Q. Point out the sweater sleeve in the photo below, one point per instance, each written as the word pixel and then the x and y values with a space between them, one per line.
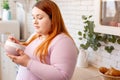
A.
pixel 63 58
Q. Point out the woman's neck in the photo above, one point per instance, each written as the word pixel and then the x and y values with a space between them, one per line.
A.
pixel 43 37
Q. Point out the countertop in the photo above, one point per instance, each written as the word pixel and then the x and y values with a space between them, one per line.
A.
pixel 88 73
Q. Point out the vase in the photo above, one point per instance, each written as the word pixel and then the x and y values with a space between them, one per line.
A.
pixel 6 15
pixel 82 60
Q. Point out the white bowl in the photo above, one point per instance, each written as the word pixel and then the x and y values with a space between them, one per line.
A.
pixel 10 47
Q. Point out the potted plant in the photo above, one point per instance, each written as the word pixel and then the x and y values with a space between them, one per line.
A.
pixel 6 10
pixel 90 39
pixel 6 5
pixel 95 40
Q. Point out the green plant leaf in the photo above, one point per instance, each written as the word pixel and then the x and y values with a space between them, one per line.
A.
pixel 37 0
pixel 98 44
pixel 80 38
pixel 84 36
pixel 91 26
pixel 80 33
pixel 118 41
pixel 5 5
pixel 112 38
pixel 95 48
pixel 84 46
pixel 109 49
pixel 94 39
pixel 90 16
pixel 84 17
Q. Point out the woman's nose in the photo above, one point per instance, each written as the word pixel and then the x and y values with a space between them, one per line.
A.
pixel 35 21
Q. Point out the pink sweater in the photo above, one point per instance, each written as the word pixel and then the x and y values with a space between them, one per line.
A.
pixel 60 65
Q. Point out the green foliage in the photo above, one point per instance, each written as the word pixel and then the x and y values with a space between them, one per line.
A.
pixel 37 0
pixel 5 5
pixel 93 39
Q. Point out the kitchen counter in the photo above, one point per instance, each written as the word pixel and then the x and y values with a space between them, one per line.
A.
pixel 89 73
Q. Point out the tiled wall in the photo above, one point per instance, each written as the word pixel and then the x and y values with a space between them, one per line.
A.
pixel 72 10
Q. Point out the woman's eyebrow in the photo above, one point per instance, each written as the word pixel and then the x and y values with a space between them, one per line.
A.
pixel 37 15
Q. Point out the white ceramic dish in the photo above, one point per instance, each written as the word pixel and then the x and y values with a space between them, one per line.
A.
pixel 10 47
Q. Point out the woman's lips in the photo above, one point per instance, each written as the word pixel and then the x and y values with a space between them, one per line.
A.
pixel 36 27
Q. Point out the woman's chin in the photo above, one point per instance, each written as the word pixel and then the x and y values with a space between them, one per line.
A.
pixel 38 32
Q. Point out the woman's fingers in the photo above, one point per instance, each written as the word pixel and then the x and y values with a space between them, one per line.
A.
pixel 22 59
pixel 21 52
pixel 12 57
pixel 13 39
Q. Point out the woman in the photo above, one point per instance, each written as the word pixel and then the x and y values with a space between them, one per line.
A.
pixel 50 53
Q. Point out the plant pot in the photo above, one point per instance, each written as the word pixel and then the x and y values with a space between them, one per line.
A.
pixel 82 60
pixel 6 15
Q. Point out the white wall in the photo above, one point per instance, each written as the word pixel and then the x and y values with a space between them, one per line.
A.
pixel 72 10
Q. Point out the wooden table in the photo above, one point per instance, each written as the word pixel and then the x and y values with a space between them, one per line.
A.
pixel 89 73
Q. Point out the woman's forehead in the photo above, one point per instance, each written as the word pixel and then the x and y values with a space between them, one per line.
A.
pixel 37 11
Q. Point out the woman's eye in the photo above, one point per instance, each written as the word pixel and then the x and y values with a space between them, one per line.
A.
pixel 33 17
pixel 39 18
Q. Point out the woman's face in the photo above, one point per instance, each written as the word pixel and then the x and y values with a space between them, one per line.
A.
pixel 41 21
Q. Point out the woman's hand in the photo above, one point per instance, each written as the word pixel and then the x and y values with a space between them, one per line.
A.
pixel 22 59
pixel 13 39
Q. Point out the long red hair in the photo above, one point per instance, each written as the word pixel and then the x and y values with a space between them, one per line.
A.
pixel 57 27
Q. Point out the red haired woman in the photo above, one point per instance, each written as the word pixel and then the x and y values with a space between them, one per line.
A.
pixel 51 53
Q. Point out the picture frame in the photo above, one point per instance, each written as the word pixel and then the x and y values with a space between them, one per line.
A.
pixel 99 16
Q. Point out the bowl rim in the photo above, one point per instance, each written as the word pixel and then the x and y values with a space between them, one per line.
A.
pixel 10 43
pixel 104 75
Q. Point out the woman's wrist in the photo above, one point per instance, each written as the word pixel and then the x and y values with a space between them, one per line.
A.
pixel 26 62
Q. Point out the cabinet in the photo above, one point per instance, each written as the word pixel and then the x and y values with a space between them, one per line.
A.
pixel 11 26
